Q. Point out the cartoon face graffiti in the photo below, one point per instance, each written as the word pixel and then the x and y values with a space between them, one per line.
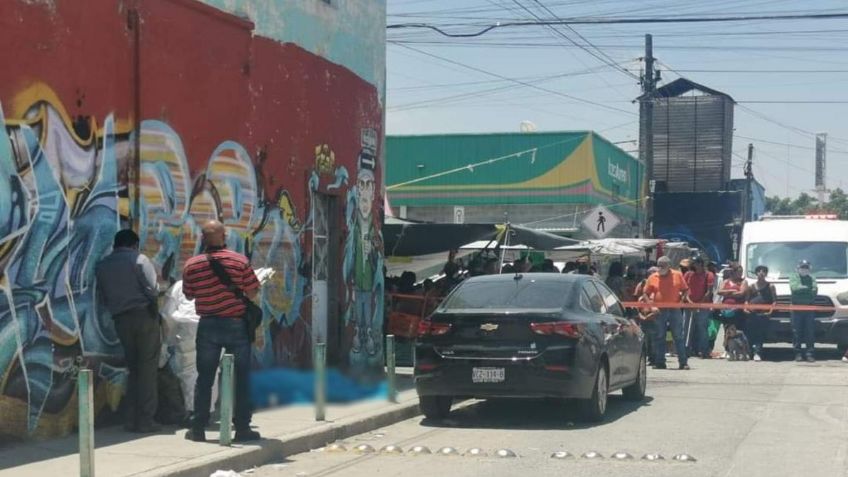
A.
pixel 365 184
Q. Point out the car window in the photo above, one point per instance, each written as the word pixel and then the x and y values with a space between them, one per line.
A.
pixel 525 293
pixel 584 301
pixel 595 299
pixel 610 300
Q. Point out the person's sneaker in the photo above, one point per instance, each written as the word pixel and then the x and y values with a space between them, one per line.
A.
pixel 196 435
pixel 799 358
pixel 845 359
pixel 660 366
pixel 370 345
pixel 811 359
pixel 684 367
pixel 355 346
pixel 757 357
pixel 246 435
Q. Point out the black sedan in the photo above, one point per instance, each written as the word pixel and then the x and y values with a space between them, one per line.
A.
pixel 536 335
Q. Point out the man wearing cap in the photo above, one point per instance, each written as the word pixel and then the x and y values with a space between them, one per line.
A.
pixel 804 289
pixel 667 286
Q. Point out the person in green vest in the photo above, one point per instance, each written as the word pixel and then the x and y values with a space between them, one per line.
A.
pixel 804 290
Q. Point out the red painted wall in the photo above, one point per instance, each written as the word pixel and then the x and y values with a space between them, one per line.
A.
pixel 203 74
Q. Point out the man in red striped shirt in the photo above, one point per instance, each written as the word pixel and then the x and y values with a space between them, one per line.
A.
pixel 222 326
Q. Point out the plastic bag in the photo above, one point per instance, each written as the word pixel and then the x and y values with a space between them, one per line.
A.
pixel 712 328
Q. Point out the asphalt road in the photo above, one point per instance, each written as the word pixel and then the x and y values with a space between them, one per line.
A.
pixel 773 418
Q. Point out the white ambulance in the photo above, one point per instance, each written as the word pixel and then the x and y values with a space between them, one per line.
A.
pixel 780 242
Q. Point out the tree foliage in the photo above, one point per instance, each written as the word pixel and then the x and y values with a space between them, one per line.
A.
pixel 837 203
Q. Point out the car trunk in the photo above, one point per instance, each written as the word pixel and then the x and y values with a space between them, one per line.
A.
pixel 496 335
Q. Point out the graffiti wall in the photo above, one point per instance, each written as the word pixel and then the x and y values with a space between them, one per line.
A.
pixel 157 116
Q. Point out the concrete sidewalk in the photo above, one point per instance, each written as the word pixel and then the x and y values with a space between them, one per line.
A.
pixel 286 431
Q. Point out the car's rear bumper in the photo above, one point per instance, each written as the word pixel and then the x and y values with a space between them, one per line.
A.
pixel 828 330
pixel 523 379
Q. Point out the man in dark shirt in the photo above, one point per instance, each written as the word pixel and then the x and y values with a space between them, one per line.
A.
pixel 222 326
pixel 127 285
pixel 803 286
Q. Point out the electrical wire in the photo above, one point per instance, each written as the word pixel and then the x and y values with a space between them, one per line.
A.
pixel 600 55
pixel 524 83
pixel 610 20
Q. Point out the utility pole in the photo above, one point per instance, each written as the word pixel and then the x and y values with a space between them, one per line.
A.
pixel 749 179
pixel 646 134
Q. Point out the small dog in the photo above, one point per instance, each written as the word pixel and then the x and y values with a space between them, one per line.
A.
pixel 736 344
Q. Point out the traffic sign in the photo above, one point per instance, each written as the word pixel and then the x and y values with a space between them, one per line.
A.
pixel 600 221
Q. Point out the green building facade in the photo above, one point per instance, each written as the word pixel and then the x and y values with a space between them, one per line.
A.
pixel 547 180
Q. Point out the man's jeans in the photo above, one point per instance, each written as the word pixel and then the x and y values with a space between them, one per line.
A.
pixel 673 320
pixel 803 330
pixel 213 335
pixel 697 326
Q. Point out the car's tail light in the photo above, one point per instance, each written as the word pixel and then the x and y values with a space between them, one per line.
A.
pixel 556 328
pixel 429 328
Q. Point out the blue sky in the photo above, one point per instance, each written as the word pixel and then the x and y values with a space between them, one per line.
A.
pixel 794 61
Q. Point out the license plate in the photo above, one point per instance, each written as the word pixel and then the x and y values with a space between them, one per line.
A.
pixel 488 375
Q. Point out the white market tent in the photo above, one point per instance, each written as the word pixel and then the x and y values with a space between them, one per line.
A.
pixel 614 246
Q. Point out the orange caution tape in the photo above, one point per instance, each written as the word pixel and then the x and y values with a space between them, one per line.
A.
pixel 723 306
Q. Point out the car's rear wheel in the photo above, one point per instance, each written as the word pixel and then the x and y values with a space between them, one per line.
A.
pixel 636 391
pixel 594 408
pixel 435 407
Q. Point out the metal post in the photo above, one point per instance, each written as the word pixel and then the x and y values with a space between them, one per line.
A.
pixel 319 357
pixel 390 367
pixel 226 437
pixel 86 423
pixel 646 131
pixel 749 177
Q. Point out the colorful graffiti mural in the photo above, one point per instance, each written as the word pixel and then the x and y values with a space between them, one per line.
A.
pixel 62 210
pixel 58 214
pixel 250 132
pixel 363 264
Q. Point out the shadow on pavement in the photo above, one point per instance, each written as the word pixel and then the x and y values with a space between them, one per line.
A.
pixel 530 414
pixel 786 353
pixel 27 452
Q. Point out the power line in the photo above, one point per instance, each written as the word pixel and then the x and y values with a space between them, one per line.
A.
pixel 611 20
pixel 762 71
pixel 475 94
pixel 600 55
pixel 517 44
pixel 786 144
pixel 793 102
pixel 524 83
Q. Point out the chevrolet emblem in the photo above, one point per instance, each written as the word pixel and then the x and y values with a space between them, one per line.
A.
pixel 488 327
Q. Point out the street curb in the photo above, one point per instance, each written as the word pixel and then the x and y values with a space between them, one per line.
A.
pixel 275 449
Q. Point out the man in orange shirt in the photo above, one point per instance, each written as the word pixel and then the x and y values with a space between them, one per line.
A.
pixel 668 286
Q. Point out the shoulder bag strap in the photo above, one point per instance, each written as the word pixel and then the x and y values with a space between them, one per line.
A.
pixel 222 275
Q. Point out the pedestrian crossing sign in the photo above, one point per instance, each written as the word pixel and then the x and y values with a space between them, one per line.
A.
pixel 600 222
